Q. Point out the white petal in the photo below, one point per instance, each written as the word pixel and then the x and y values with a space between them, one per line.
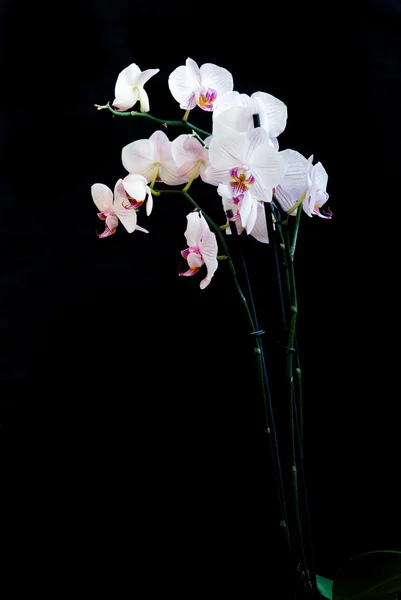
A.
pixel 245 207
pixel 202 172
pixel 252 216
pixel 127 217
pixel 138 157
pixel 216 78
pixel 119 189
pixel 256 138
pixel 135 186
pixel 274 142
pixel 268 168
pixel 227 151
pixel 272 110
pixel 161 146
pixel 224 191
pixel 320 176
pixel 259 230
pixel 149 202
pixel 192 230
pixel 193 70
pixel 209 253
pixel 143 99
pixel 168 173
pixel 204 229
pixel 127 78
pixel 102 196
pixel 126 98
pixel 182 151
pixel 162 150
pixel 139 228
pixel 183 87
pixel 295 180
pixel 216 176
pixel 186 151
pixel 230 100
pixel 194 260
pixel 237 119
pixel 111 222
pixel 309 202
pixel 145 76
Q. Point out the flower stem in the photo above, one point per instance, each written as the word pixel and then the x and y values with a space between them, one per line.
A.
pixel 193 175
pixel 295 411
pixel 133 113
pixel 269 213
pixel 270 429
pixel 296 228
pixel 260 360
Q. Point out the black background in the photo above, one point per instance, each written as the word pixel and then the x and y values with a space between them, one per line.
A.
pixel 129 418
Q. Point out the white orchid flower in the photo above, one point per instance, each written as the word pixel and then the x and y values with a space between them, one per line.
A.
pixel 248 213
pixel 191 157
pixel 202 248
pixel 152 159
pixel 137 192
pixel 246 162
pixel 235 112
pixel 192 85
pixel 129 88
pixel 303 180
pixel 114 208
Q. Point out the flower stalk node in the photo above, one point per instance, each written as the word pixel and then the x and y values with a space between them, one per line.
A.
pixel 258 333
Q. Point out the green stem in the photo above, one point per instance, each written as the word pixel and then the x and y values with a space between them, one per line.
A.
pixel 295 232
pixel 261 366
pixel 279 227
pixel 298 373
pixel 193 175
pixel 290 381
pixel 297 203
pixel 133 113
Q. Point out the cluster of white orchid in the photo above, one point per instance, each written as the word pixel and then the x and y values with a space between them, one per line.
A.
pixel 240 157
pixel 261 190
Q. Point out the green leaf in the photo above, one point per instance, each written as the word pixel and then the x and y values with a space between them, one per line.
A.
pixel 370 575
pixel 325 586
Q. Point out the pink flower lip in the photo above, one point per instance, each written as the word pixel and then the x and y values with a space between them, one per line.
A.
pixel 207 99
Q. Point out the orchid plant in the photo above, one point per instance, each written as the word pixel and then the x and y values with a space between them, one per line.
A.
pixel 263 191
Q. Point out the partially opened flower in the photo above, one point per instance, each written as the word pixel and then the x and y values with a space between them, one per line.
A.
pixel 190 156
pixel 193 86
pixel 113 208
pixel 246 162
pixel 248 213
pixel 152 159
pixel 137 192
pixel 303 183
pixel 130 88
pixel 202 248
pixel 235 112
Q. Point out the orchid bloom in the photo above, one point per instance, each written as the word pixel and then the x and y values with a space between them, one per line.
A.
pixel 137 192
pixel 190 156
pixel 114 208
pixel 246 162
pixel 235 112
pixel 202 248
pixel 303 183
pixel 192 85
pixel 248 213
pixel 152 158
pixel 129 88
